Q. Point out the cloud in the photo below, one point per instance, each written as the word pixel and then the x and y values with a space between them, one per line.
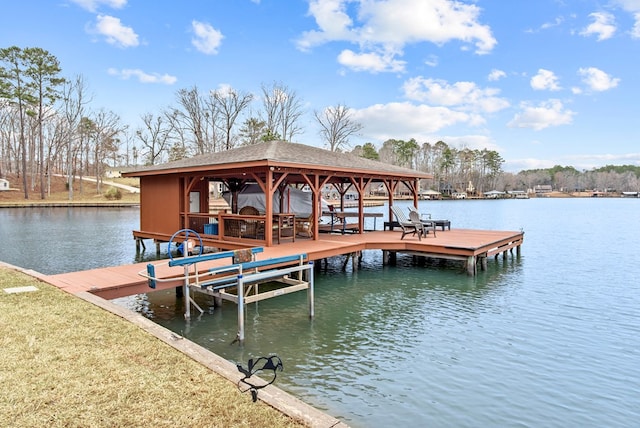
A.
pixel 496 75
pixel 407 120
pixel 93 5
pixel 597 80
pixel 114 32
pixel 143 77
pixel 603 26
pixel 629 5
pixel 207 39
pixel 545 80
pixel 544 115
pixel 466 96
pixel 635 31
pixel 388 26
pixel 372 62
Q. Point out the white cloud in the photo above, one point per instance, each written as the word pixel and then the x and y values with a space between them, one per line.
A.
pixel 635 31
pixel 462 95
pixel 207 39
pixel 143 77
pixel 114 32
pixel 407 120
pixel 372 62
pixel 432 61
pixel 544 115
pixel 597 80
pixel 603 26
pixel 93 5
pixel 629 5
pixel 496 75
pixel 387 26
pixel 545 80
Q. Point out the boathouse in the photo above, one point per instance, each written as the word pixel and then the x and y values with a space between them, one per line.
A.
pixel 175 195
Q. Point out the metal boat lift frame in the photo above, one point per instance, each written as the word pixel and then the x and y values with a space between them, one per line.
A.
pixel 245 278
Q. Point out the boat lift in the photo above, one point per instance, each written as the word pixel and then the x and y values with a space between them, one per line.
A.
pixel 244 275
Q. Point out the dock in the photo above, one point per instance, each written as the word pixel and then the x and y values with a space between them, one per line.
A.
pixel 471 247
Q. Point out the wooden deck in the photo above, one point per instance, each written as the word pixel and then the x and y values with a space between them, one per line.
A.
pixel 472 247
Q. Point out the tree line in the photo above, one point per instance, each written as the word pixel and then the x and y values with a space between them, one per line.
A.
pixel 48 125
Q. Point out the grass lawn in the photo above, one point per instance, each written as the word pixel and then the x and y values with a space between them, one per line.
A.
pixel 67 363
pixel 85 192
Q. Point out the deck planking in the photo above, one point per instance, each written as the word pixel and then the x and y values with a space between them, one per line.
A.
pixel 460 244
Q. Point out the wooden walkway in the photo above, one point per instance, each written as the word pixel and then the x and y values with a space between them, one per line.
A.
pixel 471 247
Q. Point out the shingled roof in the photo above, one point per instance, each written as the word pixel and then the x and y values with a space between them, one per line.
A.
pixel 281 153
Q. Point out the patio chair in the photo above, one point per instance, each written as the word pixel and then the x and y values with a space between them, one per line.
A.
pixel 427 225
pixel 304 225
pixel 406 224
pixel 251 228
pixel 426 218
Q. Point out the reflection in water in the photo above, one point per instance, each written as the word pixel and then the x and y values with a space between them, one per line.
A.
pixel 370 336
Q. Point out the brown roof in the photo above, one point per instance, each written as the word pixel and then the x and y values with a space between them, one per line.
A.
pixel 281 153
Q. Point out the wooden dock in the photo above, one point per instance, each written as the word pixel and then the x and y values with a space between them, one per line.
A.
pixel 471 247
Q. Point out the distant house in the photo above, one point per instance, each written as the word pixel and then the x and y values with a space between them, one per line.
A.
pixel 116 172
pixel 4 184
pixel 543 188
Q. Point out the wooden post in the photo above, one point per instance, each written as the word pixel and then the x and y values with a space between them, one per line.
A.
pixel 471 265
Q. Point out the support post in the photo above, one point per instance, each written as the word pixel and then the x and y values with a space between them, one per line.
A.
pixel 240 308
pixel 310 291
pixel 187 303
pixel 471 265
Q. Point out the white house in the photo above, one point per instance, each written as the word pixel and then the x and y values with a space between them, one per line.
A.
pixel 4 184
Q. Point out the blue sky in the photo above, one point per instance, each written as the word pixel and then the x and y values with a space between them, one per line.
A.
pixel 543 82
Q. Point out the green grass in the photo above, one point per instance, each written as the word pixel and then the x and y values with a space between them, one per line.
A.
pixel 67 363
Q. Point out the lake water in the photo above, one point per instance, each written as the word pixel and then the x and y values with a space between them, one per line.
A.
pixel 550 339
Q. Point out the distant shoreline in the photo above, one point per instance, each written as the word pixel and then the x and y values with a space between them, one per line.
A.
pixel 45 204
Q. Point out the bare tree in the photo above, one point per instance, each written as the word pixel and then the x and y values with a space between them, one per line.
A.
pixel 155 136
pixel 230 103
pixel 107 127
pixel 198 116
pixel 282 110
pixel 336 126
pixel 75 99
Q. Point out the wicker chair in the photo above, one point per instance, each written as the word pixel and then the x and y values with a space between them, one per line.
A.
pixel 304 226
pixel 251 228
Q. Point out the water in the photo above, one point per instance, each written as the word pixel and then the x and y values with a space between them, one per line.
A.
pixel 550 339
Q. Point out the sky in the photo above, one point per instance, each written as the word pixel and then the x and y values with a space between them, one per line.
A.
pixel 543 83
